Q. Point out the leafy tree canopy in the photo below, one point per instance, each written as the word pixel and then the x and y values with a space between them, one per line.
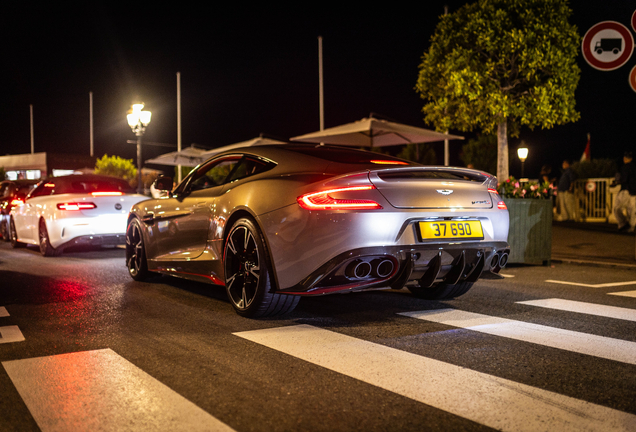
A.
pixel 499 64
pixel 117 167
pixel 481 153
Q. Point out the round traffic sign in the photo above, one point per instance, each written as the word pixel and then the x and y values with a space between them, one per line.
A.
pixel 607 45
pixel 634 20
pixel 632 78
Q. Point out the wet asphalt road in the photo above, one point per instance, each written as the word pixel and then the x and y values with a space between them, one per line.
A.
pixel 185 335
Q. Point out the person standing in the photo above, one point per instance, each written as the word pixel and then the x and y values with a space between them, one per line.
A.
pixel 624 207
pixel 565 197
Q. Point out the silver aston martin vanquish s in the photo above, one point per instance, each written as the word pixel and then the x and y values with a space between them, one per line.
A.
pixel 274 223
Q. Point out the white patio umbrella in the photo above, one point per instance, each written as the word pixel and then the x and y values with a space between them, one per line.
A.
pixel 249 143
pixel 190 157
pixel 371 132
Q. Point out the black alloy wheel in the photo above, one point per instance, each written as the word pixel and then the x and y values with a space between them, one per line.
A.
pixel 13 235
pixel 45 244
pixel 135 252
pixel 248 277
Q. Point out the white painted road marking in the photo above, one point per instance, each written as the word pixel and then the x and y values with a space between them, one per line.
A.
pixel 3 312
pixel 486 399
pixel 586 308
pixel 624 293
pixel 602 285
pixel 10 334
pixel 583 343
pixel 99 390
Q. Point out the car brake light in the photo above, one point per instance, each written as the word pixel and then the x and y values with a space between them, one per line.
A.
pixel 502 205
pixel 323 201
pixel 98 194
pixel 492 190
pixel 16 202
pixel 389 162
pixel 73 206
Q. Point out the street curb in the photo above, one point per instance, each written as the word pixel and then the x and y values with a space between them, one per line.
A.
pixel 594 263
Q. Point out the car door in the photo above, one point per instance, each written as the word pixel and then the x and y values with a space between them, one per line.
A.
pixel 181 224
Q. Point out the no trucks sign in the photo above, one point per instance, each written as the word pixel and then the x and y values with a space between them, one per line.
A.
pixel 607 45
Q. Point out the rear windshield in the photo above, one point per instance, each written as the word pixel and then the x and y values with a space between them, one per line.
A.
pixel 95 185
pixel 346 155
pixel 430 174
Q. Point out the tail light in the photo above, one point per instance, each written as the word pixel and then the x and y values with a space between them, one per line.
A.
pixel 502 205
pixel 16 202
pixel 493 190
pixel 99 194
pixel 388 162
pixel 323 201
pixel 74 206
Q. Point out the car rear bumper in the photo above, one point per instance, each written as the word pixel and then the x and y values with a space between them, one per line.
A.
pixel 397 266
pixel 95 240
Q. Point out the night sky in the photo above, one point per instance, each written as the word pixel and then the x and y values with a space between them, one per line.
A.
pixel 251 70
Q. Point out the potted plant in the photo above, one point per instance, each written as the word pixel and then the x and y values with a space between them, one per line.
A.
pixel 530 208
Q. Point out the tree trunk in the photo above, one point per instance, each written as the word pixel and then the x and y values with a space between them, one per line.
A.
pixel 502 151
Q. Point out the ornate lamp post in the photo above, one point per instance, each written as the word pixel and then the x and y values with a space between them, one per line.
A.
pixel 522 152
pixel 138 119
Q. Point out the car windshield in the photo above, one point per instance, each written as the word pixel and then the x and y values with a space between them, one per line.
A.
pixel 89 185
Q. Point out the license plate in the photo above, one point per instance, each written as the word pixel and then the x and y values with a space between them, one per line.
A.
pixel 451 229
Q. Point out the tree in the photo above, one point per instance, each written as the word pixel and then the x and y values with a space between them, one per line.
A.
pixel 498 65
pixel 116 167
pixel 481 153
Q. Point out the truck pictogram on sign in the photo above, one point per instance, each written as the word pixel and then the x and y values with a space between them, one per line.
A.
pixel 615 45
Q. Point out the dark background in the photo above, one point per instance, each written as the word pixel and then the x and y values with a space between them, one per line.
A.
pixel 251 70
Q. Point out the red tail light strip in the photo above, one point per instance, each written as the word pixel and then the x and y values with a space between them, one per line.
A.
pixel 74 206
pixel 98 194
pixel 323 201
pixel 502 205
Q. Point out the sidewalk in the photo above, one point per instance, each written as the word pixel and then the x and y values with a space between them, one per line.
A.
pixel 592 243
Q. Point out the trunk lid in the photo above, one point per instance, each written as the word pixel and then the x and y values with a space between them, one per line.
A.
pixel 434 187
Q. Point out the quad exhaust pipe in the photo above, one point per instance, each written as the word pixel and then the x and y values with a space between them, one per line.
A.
pixel 377 268
pixel 498 261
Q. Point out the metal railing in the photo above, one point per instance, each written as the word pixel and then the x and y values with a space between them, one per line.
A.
pixel 594 198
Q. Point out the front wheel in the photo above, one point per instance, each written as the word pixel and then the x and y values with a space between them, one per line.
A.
pixel 4 230
pixel 136 252
pixel 248 276
pixel 441 291
pixel 45 244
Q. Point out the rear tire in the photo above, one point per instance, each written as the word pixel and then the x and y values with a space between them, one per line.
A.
pixel 248 275
pixel 136 252
pixel 13 236
pixel 441 291
pixel 45 244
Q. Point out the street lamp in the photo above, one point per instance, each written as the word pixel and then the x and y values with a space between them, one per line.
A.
pixel 522 152
pixel 138 119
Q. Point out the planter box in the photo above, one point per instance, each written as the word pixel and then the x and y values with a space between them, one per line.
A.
pixel 530 235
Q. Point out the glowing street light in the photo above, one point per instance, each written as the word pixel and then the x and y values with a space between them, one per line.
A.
pixel 138 120
pixel 522 152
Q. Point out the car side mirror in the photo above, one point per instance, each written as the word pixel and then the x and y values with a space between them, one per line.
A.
pixel 163 183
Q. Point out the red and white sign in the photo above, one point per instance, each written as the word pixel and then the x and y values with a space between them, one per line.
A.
pixel 607 45
pixel 632 78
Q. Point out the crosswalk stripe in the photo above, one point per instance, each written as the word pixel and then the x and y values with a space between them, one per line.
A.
pixel 583 343
pixel 3 312
pixel 10 334
pixel 624 293
pixel 100 390
pixel 486 399
pixel 586 308
pixel 601 285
